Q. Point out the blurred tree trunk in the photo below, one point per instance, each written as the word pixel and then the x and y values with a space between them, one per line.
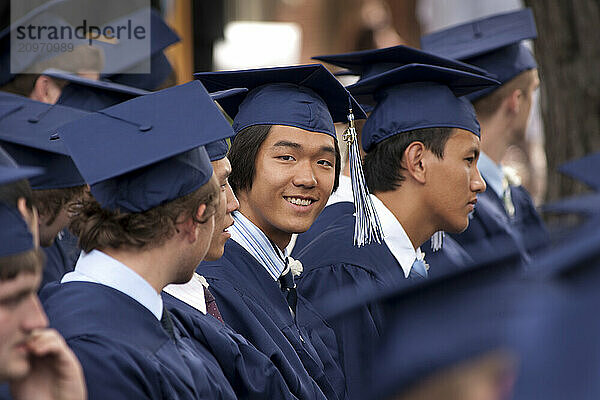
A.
pixel 568 54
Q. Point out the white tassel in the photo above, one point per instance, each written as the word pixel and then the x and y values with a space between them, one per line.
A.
pixel 437 240
pixel 367 228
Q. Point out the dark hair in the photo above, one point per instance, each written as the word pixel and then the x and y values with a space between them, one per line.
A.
pixel 49 202
pixel 98 228
pixel 383 163
pixel 31 261
pixel 242 156
pixel 12 192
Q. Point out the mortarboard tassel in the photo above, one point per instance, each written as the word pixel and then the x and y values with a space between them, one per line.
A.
pixel 367 227
pixel 437 240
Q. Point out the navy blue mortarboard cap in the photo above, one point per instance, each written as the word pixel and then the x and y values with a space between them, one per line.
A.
pixel 25 129
pixel 584 169
pixel 304 96
pixel 90 94
pixel 427 95
pixel 15 236
pixel 493 43
pixel 124 58
pixel 226 99
pixel 217 150
pixel 367 63
pixel 149 150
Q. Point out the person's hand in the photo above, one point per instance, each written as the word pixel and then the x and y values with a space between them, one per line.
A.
pixel 55 372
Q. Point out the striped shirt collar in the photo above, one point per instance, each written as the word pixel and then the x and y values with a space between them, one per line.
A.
pixel 255 242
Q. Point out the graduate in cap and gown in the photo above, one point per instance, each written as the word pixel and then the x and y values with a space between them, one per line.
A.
pixel 366 64
pixel 496 44
pixel 252 374
pixel 421 170
pixel 148 225
pixel 26 127
pixel 285 164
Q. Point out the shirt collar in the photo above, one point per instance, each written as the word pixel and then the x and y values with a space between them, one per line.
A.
pixel 396 238
pixel 492 173
pixel 343 192
pixel 99 267
pixel 191 293
pixel 255 242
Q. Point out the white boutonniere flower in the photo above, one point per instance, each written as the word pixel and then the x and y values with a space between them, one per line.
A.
pixel 202 280
pixel 295 266
pixel 511 175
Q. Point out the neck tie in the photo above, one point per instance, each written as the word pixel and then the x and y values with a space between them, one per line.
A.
pixel 211 305
pixel 288 287
pixel 507 198
pixel 167 323
pixel 418 270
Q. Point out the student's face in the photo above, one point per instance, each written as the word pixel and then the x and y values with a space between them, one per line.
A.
pixel 453 182
pixel 294 176
pixel 20 314
pixel 227 204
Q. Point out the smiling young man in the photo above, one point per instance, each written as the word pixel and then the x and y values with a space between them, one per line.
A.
pixel 285 164
pixel 34 360
pixel 505 212
pixel 420 167
pixel 148 225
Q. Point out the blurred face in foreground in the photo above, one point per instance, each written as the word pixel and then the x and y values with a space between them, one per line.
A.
pixel 21 314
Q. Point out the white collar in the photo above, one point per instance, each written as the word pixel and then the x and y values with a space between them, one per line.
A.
pixel 396 238
pixel 343 192
pixel 191 293
pixel 99 267
pixel 492 174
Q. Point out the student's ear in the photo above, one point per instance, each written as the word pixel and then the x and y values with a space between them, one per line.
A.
pixel 45 90
pixel 414 161
pixel 189 227
pixel 513 101
pixel 200 212
pixel 31 219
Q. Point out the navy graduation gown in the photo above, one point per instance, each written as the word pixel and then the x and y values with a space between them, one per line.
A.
pixel 328 216
pixel 331 263
pixel 527 220
pixel 449 259
pixel 251 374
pixel 251 302
pixel 61 257
pixel 124 350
